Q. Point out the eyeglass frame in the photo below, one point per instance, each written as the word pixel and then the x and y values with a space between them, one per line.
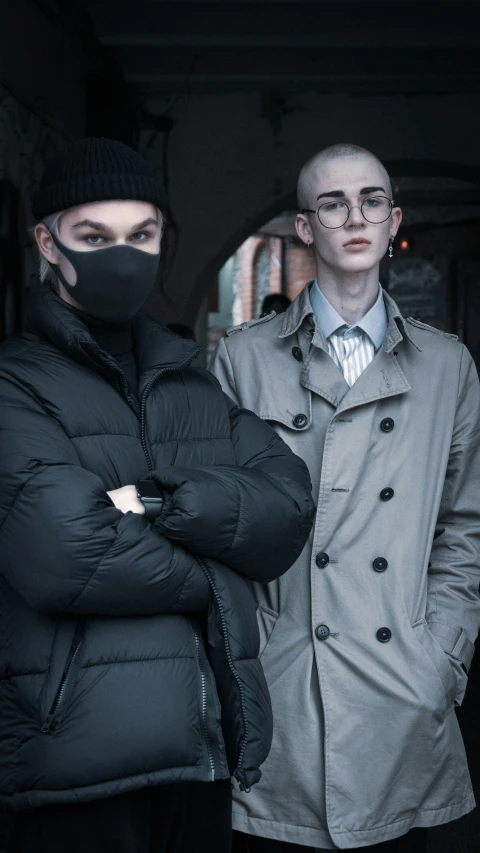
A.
pixel 359 206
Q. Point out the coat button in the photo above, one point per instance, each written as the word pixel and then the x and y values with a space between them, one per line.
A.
pixel 387 494
pixel 300 420
pixel 384 635
pixel 297 353
pixel 322 632
pixel 387 424
pixel 322 560
pixel 380 564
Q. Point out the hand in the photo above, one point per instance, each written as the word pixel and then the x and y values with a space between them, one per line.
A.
pixel 127 500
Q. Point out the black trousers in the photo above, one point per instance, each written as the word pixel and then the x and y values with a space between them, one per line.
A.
pixel 189 817
pixel 414 841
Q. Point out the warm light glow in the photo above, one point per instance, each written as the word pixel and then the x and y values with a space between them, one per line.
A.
pixel 404 244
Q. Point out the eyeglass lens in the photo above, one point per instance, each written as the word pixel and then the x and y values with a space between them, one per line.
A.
pixel 334 214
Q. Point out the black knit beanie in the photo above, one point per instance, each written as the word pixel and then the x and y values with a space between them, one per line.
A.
pixel 96 170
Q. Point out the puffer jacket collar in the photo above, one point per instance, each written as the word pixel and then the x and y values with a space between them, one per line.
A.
pixel 156 348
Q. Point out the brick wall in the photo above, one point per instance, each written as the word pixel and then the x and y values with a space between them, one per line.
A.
pixel 299 269
pixel 249 256
pixel 299 266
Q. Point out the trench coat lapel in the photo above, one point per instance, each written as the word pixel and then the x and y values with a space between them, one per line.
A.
pixel 383 377
pixel 321 375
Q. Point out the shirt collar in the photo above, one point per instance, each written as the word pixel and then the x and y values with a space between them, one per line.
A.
pixel 373 323
pixel 301 310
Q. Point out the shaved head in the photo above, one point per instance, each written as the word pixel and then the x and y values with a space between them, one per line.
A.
pixel 308 177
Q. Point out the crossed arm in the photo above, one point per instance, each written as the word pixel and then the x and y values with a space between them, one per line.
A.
pixel 67 546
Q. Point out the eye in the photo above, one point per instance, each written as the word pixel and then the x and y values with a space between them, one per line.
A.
pixel 372 202
pixel 94 239
pixel 139 236
pixel 332 206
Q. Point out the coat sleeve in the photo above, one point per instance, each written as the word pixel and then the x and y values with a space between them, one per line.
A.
pixel 255 515
pixel 453 604
pixel 64 546
pixel 221 367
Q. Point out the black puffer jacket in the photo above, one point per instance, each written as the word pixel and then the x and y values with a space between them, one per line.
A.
pixel 128 650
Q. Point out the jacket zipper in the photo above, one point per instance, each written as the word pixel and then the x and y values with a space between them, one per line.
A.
pixel 145 394
pixel 49 723
pixel 146 451
pixel 239 772
pixel 122 388
pixel 204 704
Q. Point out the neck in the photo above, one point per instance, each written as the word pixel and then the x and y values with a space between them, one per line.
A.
pixel 114 338
pixel 351 294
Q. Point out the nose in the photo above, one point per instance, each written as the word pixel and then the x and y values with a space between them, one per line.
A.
pixel 356 218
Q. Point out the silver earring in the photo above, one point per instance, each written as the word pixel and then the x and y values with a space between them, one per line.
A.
pixel 390 247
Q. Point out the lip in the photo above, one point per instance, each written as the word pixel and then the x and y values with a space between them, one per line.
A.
pixel 357 241
pixel 355 247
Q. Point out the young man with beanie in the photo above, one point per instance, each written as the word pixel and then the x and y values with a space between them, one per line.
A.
pixel 137 501
pixel 368 639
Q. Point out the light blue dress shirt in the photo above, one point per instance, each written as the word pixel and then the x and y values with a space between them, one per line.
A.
pixel 352 347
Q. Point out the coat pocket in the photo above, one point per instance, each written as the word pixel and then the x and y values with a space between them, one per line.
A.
pixel 439 661
pixel 267 620
pixel 67 643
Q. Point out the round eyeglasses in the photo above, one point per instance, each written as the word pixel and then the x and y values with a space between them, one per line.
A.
pixel 334 214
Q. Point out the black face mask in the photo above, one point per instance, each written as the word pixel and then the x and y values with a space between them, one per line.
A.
pixel 112 284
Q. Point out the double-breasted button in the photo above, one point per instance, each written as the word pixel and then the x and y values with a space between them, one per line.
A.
pixel 387 424
pixel 322 632
pixel 387 494
pixel 300 420
pixel 380 564
pixel 297 353
pixel 322 560
pixel 384 635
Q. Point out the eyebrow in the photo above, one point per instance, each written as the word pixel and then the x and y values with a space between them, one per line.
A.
pixel 101 226
pixel 341 194
pixel 149 221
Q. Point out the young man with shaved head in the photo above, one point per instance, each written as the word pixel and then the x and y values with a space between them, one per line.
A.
pixel 367 641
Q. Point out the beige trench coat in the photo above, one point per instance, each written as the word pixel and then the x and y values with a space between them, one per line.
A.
pixel 366 744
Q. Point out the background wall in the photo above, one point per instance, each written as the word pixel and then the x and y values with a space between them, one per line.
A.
pixel 57 83
pixel 43 75
pixel 42 106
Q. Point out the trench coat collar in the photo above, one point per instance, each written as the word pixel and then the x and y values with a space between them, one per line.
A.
pixel 382 378
pixel 397 328
pixel 301 308
pixel 296 313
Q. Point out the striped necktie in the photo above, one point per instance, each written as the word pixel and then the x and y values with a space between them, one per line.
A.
pixel 352 351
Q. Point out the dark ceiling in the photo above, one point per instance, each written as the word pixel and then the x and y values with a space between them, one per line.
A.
pixel 332 47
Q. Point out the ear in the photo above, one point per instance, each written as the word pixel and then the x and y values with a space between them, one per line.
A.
pixel 303 229
pixel 45 243
pixel 395 221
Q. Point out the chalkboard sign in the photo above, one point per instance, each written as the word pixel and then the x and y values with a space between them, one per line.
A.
pixel 420 289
